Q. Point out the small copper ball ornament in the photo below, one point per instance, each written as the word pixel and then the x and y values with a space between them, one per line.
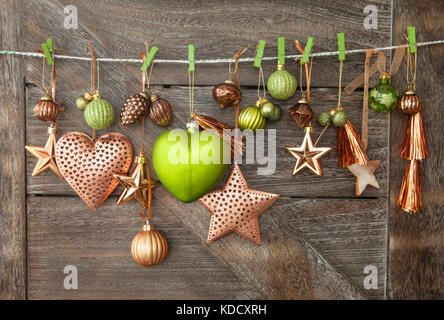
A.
pixel 160 111
pixel 301 112
pixel 410 103
pixel 227 94
pixel 149 247
pixel 46 109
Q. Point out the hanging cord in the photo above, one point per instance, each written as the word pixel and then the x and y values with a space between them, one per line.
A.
pixel 341 65
pixel 93 75
pixel 191 92
pixel 411 68
pixel 259 80
pixel 305 93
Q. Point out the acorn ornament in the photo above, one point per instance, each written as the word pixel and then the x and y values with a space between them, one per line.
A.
pixel 160 111
pixel 227 94
pixel 134 108
pixel 251 117
pixel 46 109
pixel 383 97
pixel 99 113
pixel 149 247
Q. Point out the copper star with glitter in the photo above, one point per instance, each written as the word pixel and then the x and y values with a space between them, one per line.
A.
pixel 307 155
pixel 236 208
pixel 365 175
pixel 46 155
pixel 136 185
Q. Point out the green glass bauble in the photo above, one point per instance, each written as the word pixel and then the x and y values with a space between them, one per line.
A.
pixel 383 97
pixel 277 114
pixel 190 163
pixel 251 118
pixel 339 118
pixel 267 109
pixel 281 84
pixel 99 113
pixel 324 118
pixel 81 103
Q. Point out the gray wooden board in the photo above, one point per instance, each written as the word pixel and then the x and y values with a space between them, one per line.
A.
pixel 290 263
pixel 119 29
pixel 12 160
pixel 416 241
pixel 337 182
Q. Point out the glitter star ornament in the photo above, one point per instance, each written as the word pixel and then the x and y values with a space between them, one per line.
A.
pixel 236 208
pixel 307 155
pixel 46 155
pixel 136 185
pixel 365 175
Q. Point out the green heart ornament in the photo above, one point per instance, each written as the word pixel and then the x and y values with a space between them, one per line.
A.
pixel 190 163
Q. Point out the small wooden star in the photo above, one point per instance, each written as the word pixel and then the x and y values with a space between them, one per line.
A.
pixel 236 208
pixel 46 155
pixel 136 185
pixel 307 155
pixel 365 175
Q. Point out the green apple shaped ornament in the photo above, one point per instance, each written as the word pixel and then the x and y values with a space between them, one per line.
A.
pixel 190 163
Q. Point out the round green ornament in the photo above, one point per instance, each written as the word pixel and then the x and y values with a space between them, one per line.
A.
pixel 281 84
pixel 324 118
pixel 277 114
pixel 81 103
pixel 339 118
pixel 267 109
pixel 383 97
pixel 99 113
pixel 251 118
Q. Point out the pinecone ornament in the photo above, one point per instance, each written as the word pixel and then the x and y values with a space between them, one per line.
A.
pixel 135 108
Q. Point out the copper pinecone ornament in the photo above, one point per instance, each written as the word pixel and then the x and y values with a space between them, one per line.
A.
pixel 301 113
pixel 160 111
pixel 134 108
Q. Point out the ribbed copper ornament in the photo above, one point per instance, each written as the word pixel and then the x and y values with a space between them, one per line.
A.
pixel 88 164
pixel 149 247
pixel 410 198
pixel 349 146
pixel 46 109
pixel 227 94
pixel 410 103
pixel 160 111
pixel 301 113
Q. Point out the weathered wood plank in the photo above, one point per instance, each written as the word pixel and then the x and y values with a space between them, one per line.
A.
pixel 63 232
pixel 337 182
pixel 286 266
pixel 119 29
pixel 12 159
pixel 416 241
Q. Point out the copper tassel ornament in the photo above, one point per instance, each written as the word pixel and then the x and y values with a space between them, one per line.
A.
pixel 349 146
pixel 410 198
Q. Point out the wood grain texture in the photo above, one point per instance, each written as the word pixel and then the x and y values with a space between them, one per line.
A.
pixel 218 30
pixel 337 182
pixel 416 241
pixel 12 160
pixel 286 266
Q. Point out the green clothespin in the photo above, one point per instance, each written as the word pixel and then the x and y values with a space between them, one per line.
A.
pixel 259 54
pixel 281 50
pixel 411 33
pixel 48 51
pixel 307 50
pixel 149 58
pixel 341 46
pixel 191 51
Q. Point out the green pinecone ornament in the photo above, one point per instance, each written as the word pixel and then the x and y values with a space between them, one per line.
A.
pixel 251 118
pixel 99 113
pixel 281 84
pixel 383 97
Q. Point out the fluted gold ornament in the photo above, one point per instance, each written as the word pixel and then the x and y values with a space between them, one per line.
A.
pixel 149 247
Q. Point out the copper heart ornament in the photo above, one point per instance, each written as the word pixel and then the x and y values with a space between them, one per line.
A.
pixel 88 165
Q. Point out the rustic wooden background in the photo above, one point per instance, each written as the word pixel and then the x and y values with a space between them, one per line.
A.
pixel 317 238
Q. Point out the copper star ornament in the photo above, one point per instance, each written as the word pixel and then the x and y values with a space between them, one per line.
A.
pixel 136 185
pixel 46 155
pixel 236 208
pixel 365 175
pixel 307 155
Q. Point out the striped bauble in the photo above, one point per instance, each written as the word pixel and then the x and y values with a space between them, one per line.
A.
pixel 99 113
pixel 251 118
pixel 281 84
